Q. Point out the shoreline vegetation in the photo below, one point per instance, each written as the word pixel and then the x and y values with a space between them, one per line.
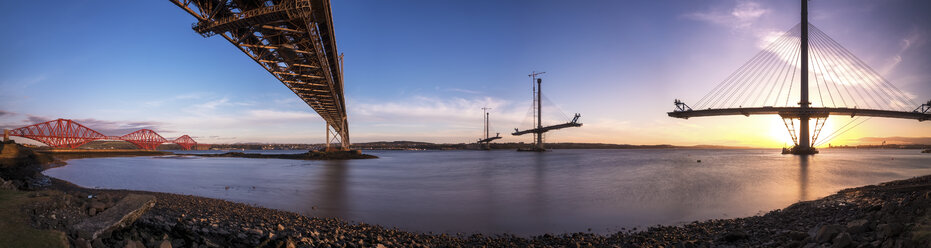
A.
pixel 46 211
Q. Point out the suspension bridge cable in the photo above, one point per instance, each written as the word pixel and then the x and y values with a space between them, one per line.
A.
pixel 832 72
pixel 861 81
pixel 776 58
pixel 883 81
pixel 755 71
pixel 811 66
pixel 828 73
pixel 778 77
pixel 713 90
pixel 732 79
pixel 558 109
pixel 767 71
pixel 792 67
pixel 861 89
pixel 529 116
pixel 784 68
pixel 830 51
pixel 739 80
pixel 842 127
pixel 796 68
pixel 817 62
pixel 871 86
pixel 876 88
pixel 841 133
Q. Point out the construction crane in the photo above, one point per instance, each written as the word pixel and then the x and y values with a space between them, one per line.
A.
pixel 539 128
pixel 486 142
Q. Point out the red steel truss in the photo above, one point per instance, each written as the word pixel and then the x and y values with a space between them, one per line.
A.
pixel 65 133
pixel 185 142
pixel 58 133
pixel 144 138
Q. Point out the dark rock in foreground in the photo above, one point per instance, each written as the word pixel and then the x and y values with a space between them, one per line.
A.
pixel 893 214
pixel 311 155
pixel 123 214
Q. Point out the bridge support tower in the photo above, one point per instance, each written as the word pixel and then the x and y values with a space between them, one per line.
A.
pixel 804 138
pixel 339 136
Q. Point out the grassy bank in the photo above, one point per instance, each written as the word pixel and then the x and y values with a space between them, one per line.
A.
pixel 15 229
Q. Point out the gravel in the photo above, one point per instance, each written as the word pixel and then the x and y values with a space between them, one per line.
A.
pixel 892 214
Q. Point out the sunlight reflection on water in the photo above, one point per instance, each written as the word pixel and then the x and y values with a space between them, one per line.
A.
pixel 506 191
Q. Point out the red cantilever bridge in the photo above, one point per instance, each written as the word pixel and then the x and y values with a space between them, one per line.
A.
pixel 65 133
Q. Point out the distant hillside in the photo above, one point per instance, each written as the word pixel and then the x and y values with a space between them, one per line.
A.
pixel 406 145
pixel 418 145
pixel 99 144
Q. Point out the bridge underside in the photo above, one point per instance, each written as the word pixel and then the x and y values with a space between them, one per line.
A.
pixel 488 140
pixel 796 112
pixel 547 128
pixel 291 39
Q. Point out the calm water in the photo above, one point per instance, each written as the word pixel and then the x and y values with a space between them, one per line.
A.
pixel 507 191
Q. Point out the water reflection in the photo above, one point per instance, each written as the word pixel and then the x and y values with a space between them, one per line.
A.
pixel 506 191
pixel 538 206
pixel 803 178
pixel 332 192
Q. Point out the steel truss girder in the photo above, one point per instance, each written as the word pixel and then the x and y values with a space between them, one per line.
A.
pixel 292 39
pixel 63 133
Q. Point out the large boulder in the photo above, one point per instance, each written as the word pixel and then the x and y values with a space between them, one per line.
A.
pixel 842 240
pixel 858 226
pixel 828 232
pixel 123 214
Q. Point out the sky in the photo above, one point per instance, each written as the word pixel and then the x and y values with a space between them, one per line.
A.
pixel 422 70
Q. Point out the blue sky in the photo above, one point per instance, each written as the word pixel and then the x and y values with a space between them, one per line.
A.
pixel 421 70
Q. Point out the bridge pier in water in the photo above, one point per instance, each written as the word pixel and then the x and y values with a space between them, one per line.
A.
pixel 539 129
pixel 804 143
pixel 339 136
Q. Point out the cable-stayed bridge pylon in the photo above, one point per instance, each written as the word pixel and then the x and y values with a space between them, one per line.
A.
pixel 803 75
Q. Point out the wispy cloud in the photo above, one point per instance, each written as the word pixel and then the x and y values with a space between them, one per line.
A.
pixel 466 91
pixel 213 106
pixel 278 115
pixel 915 38
pixel 740 16
pixel 108 127
pixel 185 96
pixel 420 108
pixel 34 80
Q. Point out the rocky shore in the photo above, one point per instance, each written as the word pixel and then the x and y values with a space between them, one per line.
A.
pixel 892 214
